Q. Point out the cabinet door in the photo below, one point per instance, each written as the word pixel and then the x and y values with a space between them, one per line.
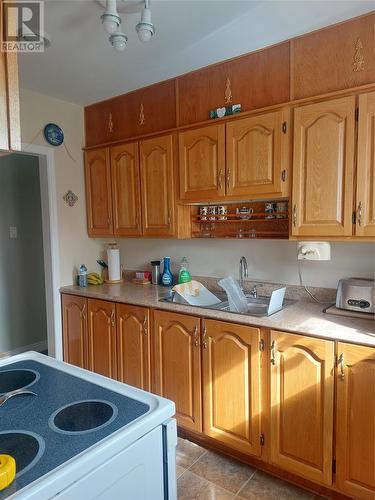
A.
pixel 74 318
pixel 231 385
pixel 323 168
pixel 133 345
pixel 126 190
pixel 366 166
pixel 10 128
pixel 302 405
pixel 98 192
pixel 334 58
pixel 102 337
pixel 202 163
pixel 157 181
pixel 177 365
pixel 254 155
pixel 355 421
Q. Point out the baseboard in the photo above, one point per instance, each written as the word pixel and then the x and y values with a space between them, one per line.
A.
pixel 38 347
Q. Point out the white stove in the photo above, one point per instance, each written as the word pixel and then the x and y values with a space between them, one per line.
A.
pixel 82 435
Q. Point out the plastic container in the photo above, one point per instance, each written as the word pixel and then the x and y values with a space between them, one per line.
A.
pixel 82 276
pixel 166 277
pixel 184 274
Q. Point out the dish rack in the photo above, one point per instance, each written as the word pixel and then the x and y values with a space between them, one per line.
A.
pixel 238 223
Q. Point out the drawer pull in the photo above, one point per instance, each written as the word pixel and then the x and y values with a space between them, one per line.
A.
pixel 204 338
pixel 195 335
pixel 294 215
pixel 359 213
pixel 273 353
pixel 341 365
pixel 145 329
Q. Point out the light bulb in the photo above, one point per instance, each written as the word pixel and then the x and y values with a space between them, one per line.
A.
pixel 145 28
pixel 110 19
pixel 110 23
pixel 118 41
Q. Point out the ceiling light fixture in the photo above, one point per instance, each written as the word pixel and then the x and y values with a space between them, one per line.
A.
pixel 110 19
pixel 145 28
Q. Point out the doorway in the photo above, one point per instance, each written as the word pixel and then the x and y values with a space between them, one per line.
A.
pixel 29 265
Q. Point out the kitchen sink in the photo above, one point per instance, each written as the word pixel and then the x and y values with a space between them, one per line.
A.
pixel 256 306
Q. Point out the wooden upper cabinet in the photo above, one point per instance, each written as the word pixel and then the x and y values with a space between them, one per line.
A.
pixel 355 421
pixel 126 190
pixel 74 318
pixel 133 345
pixel 334 58
pixel 157 183
pixel 102 337
pixel 156 108
pixel 202 163
pixel 257 151
pixel 244 80
pixel 98 192
pixel 177 365
pixel 366 166
pixel 231 385
pixel 323 165
pixel 302 405
pixel 10 127
pixel 140 112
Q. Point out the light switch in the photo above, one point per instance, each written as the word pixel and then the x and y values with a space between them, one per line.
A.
pixel 12 232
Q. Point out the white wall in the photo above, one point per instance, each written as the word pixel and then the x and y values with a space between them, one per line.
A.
pixel 36 111
pixel 268 260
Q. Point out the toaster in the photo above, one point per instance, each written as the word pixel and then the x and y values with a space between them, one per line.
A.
pixel 356 294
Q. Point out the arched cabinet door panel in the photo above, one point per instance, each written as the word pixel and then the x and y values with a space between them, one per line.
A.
pixel 126 190
pixel 355 421
pixel 102 337
pixel 202 163
pixel 177 365
pixel 323 168
pixel 133 345
pixel 74 319
pixel 231 385
pixel 302 380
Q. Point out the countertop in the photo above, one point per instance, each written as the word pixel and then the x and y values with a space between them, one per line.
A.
pixel 301 317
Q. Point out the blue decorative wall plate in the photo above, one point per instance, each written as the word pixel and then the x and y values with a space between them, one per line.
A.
pixel 53 134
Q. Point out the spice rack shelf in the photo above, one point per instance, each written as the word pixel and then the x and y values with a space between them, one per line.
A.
pixel 266 219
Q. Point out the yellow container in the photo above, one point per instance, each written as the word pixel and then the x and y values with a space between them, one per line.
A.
pixel 7 470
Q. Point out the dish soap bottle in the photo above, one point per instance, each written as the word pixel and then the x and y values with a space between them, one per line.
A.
pixel 184 274
pixel 166 277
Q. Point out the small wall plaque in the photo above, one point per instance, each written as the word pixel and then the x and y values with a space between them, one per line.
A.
pixel 70 198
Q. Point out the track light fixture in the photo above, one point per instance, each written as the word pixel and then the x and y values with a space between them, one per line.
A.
pixel 145 28
pixel 110 19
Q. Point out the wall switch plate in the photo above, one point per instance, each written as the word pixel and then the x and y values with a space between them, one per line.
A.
pixel 313 250
pixel 13 232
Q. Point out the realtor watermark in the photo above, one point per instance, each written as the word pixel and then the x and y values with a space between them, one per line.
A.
pixel 23 26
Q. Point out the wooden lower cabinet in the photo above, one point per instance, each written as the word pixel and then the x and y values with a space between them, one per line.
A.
pixel 177 365
pixel 355 421
pixel 231 385
pixel 102 337
pixel 302 397
pixel 74 320
pixel 133 345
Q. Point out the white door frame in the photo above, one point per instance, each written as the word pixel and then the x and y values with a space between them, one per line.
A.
pixel 48 197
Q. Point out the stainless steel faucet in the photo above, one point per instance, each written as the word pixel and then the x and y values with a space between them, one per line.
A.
pixel 244 271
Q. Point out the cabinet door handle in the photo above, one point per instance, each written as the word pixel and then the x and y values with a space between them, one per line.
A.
pixel 341 365
pixel 109 221
pixel 220 178
pixel 145 329
pixel 110 123
pixel 169 218
pixel 359 213
pixel 137 221
pixel 228 178
pixel 195 335
pixel 204 338
pixel 113 318
pixel 273 353
pixel 294 215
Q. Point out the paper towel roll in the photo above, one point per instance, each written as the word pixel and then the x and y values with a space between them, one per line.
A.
pixel 114 267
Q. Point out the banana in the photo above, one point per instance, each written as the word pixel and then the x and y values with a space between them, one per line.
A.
pixel 94 279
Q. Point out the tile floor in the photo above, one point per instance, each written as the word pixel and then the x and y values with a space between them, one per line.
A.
pixel 205 475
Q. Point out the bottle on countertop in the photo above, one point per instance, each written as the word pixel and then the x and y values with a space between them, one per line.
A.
pixel 155 274
pixel 184 274
pixel 82 276
pixel 166 277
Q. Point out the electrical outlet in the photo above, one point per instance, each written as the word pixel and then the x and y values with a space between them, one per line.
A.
pixel 13 232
